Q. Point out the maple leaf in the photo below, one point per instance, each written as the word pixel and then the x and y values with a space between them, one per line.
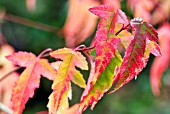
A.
pixel 76 79
pixel 135 58
pixel 66 71
pixel 106 58
pixel 160 64
pixel 76 32
pixel 63 103
pixel 96 90
pixel 5 67
pixel 29 80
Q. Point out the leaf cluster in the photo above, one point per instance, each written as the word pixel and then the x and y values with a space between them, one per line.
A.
pixel 107 66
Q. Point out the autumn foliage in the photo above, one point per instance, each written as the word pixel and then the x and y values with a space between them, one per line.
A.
pixel 108 68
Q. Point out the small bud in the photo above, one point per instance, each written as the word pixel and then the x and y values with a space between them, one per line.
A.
pixel 136 21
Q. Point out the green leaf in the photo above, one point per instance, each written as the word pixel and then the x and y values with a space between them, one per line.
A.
pixel 96 90
pixel 65 73
pixel 78 79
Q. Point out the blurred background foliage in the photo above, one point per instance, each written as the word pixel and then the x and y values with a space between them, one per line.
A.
pixel 134 98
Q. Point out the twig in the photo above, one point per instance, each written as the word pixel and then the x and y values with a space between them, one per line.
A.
pixel 85 49
pixel 9 73
pixel 27 22
pixel 123 28
pixel 5 108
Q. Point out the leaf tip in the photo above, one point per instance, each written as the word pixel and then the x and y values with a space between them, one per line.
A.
pixel 102 10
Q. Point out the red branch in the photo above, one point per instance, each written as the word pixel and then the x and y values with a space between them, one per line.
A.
pixel 123 28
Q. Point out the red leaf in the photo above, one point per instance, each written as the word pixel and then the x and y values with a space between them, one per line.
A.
pixel 149 32
pixel 109 17
pixel 106 56
pixel 105 43
pixel 102 11
pixel 135 58
pixel 106 12
pixel 29 80
pixel 154 48
pixel 23 58
pixel 105 51
pixel 160 64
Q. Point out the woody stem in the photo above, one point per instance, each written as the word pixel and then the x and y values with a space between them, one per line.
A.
pixel 123 28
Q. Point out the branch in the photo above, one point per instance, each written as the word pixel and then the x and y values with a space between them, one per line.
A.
pixel 123 28
pixel 27 22
pixel 5 109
